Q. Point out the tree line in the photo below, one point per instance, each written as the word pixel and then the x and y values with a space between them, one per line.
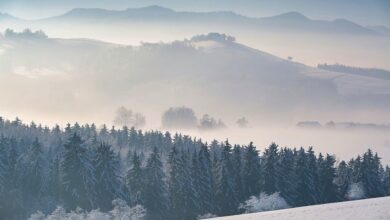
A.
pixel 172 177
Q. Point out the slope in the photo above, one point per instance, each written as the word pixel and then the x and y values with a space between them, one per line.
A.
pixel 377 208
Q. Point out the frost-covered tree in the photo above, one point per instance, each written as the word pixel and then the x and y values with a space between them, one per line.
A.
pixel 386 180
pixel 251 172
pixel 181 190
pixel 155 196
pixel 108 184
pixel 269 168
pixel 121 211
pixel 286 176
pixel 264 202
pixel 135 179
pixel 225 195
pixel 77 175
pixel 327 173
pixel 371 177
pixel 305 183
pixel 205 181
pixel 356 191
pixel 237 173
pixel 342 179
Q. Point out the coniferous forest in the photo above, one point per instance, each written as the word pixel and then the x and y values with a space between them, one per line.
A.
pixel 172 176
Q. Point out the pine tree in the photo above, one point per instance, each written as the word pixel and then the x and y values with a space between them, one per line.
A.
pixel 108 180
pixel 225 195
pixel 180 187
pixel 327 174
pixel 342 179
pixel 54 179
pixel 269 163
pixel 237 171
pixel 356 166
pixel 77 175
pixel 386 180
pixel 3 164
pixel 135 180
pixel 155 196
pixel 371 175
pixel 31 170
pixel 305 186
pixel 175 184
pixel 205 180
pixel 286 176
pixel 251 171
pixel 191 194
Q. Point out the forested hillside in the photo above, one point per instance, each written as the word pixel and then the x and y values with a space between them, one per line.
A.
pixel 171 176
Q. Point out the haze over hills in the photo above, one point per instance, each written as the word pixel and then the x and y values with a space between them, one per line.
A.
pixel 365 12
pixel 290 21
pixel 333 41
pixel 200 72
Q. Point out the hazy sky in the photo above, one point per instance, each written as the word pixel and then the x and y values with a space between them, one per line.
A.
pixel 367 12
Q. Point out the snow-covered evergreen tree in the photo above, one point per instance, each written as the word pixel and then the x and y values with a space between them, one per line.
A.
pixel 327 173
pixel 225 195
pixel 286 175
pixel 205 181
pixel 107 174
pixel 371 178
pixel 305 184
pixel 77 175
pixel 135 180
pixel 269 163
pixel 251 171
pixel 342 179
pixel 155 196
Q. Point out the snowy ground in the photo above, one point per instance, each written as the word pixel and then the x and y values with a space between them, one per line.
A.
pixel 372 209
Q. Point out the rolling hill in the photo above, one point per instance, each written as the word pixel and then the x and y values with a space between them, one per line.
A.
pixel 201 72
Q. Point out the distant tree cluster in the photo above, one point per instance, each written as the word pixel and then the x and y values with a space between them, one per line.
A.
pixel 25 34
pixel 372 72
pixel 128 118
pixel 82 168
pixel 242 122
pixel 179 117
pixel 214 37
pixel 184 117
pixel 208 123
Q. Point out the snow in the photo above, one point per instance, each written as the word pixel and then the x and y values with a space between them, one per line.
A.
pixel 378 208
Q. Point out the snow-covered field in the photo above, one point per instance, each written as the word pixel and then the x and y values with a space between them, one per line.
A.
pixel 368 209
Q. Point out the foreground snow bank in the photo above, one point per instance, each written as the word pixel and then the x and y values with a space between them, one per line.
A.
pixel 378 208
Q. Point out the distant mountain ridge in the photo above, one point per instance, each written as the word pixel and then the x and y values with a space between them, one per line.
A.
pixel 286 21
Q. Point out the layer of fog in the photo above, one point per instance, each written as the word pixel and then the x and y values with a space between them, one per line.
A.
pixel 58 81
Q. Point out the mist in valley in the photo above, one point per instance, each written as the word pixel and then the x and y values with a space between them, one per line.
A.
pixel 60 80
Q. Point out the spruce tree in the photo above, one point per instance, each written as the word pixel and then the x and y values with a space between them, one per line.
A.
pixel 107 174
pixel 305 185
pixel 205 181
pixel 327 174
pixel 342 179
pixel 371 175
pixel 225 195
pixel 286 177
pixel 269 163
pixel 180 187
pixel 251 171
pixel 155 196
pixel 77 175
pixel 135 180
pixel 30 173
pixel 237 173
pixel 386 181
